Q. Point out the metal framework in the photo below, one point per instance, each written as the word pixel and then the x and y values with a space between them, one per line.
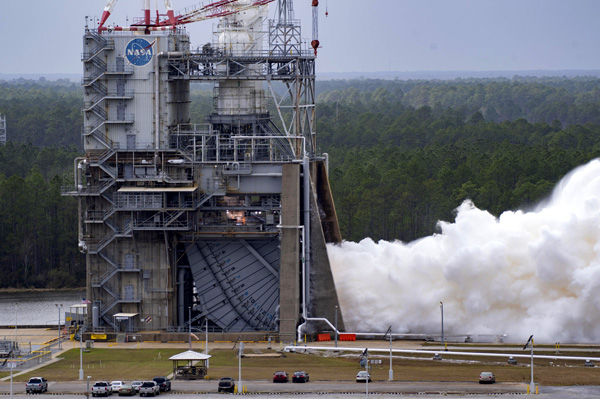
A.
pixel 2 129
pixel 178 216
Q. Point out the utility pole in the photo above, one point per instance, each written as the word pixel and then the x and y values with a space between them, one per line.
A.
pixel 442 309
pixel 391 373
pixel 531 384
pixel 241 352
pixel 12 363
pixel 80 353
pixel 368 374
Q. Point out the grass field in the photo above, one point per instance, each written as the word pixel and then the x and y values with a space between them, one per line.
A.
pixel 108 364
pixel 131 364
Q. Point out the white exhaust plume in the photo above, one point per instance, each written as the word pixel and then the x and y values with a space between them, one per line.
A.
pixel 524 273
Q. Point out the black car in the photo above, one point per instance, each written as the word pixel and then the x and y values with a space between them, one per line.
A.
pixel 163 382
pixel 300 376
pixel 226 384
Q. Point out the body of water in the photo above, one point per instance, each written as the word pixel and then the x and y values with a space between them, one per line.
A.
pixel 36 307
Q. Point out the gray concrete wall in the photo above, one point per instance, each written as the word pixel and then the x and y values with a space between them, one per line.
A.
pixel 289 281
pixel 323 294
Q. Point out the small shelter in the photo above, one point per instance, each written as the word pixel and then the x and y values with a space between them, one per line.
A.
pixel 190 365
pixel 124 321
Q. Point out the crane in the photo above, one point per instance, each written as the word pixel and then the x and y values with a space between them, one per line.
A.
pixel 216 9
pixel 315 26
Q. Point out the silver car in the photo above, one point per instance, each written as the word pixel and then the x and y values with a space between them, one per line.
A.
pixel 136 385
pixel 116 385
pixel 487 377
pixel 363 376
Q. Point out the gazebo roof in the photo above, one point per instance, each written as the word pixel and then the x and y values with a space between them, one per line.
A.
pixel 190 355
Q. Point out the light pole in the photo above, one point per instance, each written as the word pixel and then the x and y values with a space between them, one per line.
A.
pixel 368 375
pixel 12 363
pixel 240 354
pixel 336 330
pixel 190 321
pixel 206 338
pixel 531 384
pixel 391 373
pixel 58 306
pixel 80 353
pixel 442 309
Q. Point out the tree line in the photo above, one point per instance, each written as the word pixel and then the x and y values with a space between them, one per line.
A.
pixel 38 227
pixel 403 155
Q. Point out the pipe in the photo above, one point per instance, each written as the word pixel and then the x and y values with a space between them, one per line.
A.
pixel 181 298
pixel 306 237
pixel 78 166
pixel 433 352
pixel 157 102
pixel 314 319
pixel 146 12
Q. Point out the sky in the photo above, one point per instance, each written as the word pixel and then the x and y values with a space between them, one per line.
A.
pixel 45 36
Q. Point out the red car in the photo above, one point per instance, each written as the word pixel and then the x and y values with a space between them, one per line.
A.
pixel 280 376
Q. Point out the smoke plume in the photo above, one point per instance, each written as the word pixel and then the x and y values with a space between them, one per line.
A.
pixel 535 272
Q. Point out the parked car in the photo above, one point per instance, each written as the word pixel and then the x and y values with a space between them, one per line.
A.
pixel 115 385
pixel 36 384
pixel 164 383
pixel 300 376
pixel 136 385
pixel 127 390
pixel 226 384
pixel 280 376
pixel 149 388
pixel 102 388
pixel 363 376
pixel 487 377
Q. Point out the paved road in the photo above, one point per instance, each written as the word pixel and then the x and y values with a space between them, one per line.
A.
pixel 327 389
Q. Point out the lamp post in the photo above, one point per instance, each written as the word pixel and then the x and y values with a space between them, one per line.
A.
pixel 336 329
pixel 442 309
pixel 531 384
pixel 12 364
pixel 80 354
pixel 391 372
pixel 190 321
pixel 368 375
pixel 240 354
pixel 58 306
pixel 206 338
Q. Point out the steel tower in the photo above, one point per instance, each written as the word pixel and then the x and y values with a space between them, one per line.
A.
pixel 228 217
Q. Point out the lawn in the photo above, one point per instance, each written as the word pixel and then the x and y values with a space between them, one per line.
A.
pixel 130 364
pixel 108 364
pixel 225 363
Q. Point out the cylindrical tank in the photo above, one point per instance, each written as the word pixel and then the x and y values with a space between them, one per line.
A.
pixel 95 317
pixel 241 34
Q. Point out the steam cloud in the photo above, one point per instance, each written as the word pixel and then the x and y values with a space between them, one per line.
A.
pixel 524 273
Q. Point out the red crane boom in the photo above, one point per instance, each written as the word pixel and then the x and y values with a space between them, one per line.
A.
pixel 216 9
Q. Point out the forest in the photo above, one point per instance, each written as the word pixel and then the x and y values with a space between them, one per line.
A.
pixel 403 154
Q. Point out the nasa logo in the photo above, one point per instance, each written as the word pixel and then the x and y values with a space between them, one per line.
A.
pixel 139 52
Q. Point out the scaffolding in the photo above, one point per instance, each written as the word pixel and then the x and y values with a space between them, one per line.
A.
pixel 176 215
pixel 2 129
